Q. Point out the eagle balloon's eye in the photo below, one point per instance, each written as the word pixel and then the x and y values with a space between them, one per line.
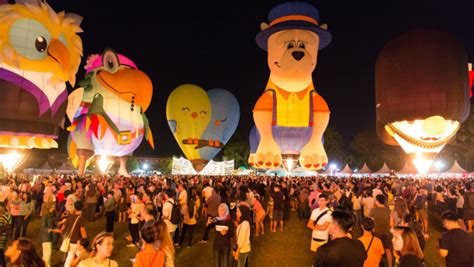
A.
pixel 41 44
pixel 110 61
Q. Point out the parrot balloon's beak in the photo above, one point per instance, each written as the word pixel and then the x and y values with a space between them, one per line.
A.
pixel 131 85
pixel 60 54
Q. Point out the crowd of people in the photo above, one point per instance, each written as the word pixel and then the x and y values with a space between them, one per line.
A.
pixel 354 221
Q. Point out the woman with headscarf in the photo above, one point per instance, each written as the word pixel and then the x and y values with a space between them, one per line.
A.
pixel 242 236
pixel 224 233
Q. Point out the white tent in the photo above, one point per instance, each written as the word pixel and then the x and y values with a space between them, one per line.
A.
pixel 346 170
pixel 45 169
pixel 456 169
pixel 407 169
pixel 65 168
pixel 364 170
pixel 384 170
pixel 184 166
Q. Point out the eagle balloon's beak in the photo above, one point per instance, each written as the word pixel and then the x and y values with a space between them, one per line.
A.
pixel 131 85
pixel 58 51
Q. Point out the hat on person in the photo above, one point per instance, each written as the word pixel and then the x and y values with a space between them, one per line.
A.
pixel 293 15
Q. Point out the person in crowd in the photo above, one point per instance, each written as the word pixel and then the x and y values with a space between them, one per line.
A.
pixel 82 252
pixel 27 208
pixel 149 255
pixel 91 199
pixel 102 247
pixel 242 246
pixel 109 207
pixel 123 207
pixel 319 222
pixel 164 242
pixel 134 219
pixel 410 221
pixel 224 233
pixel 45 235
pixel 372 244
pixel 259 212
pixel 455 245
pixel 368 202
pixel 189 211
pixel 5 231
pixel 212 205
pixel 303 204
pixel 469 206
pixel 278 207
pixel 168 206
pixel 399 212
pixel 74 227
pixel 381 215
pixel 420 205
pixel 22 252
pixel 407 250
pixel 342 250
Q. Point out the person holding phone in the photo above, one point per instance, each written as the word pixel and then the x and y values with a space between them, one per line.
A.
pixel 224 232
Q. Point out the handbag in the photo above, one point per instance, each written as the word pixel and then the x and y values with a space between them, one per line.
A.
pixel 66 241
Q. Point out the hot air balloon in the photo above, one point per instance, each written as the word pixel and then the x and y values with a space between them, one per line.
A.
pixel 201 122
pixel 108 113
pixel 40 50
pixel 291 116
pixel 422 93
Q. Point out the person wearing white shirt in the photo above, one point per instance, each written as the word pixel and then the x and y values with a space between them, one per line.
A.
pixel 319 222
pixel 167 210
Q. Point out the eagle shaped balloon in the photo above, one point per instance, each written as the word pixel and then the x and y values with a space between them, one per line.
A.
pixel 422 93
pixel 39 51
pixel 202 122
pixel 108 113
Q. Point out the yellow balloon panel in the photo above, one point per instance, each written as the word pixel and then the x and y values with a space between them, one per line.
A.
pixel 188 111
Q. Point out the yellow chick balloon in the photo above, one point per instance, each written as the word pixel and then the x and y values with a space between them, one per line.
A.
pixel 188 111
pixel 39 51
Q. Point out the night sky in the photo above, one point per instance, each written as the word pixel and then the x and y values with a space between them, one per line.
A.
pixel 212 44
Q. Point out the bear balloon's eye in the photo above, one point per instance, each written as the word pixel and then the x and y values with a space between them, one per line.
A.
pixel 41 44
pixel 301 45
pixel 290 45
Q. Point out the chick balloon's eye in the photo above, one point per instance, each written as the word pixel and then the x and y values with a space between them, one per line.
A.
pixel 203 112
pixel 302 45
pixel 185 109
pixel 41 44
pixel 110 61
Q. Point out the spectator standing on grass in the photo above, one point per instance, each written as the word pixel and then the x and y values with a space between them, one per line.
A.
pixel 45 235
pixel 75 228
pixel 407 250
pixel 381 215
pixel 102 247
pixel 341 251
pixel 5 231
pixel 373 245
pixel 319 222
pixel 455 245
pixel 22 252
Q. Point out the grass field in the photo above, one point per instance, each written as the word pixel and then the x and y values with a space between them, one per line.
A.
pixel 290 248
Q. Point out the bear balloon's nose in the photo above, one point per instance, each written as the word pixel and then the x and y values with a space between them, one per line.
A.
pixel 298 55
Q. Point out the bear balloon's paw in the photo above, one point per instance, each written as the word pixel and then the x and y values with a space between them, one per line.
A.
pixel 313 159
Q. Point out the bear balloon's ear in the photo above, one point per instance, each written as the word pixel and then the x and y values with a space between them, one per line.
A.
pixel 264 26
pixel 324 26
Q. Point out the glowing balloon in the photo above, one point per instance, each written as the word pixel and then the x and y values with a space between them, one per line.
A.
pixel 422 93
pixel 201 122
pixel 109 119
pixel 291 116
pixel 39 51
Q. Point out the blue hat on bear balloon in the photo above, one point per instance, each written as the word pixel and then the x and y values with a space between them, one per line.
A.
pixel 294 15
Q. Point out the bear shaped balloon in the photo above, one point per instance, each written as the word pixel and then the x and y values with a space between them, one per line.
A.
pixel 290 116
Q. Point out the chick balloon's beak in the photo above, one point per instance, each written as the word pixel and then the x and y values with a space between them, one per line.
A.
pixel 58 51
pixel 127 83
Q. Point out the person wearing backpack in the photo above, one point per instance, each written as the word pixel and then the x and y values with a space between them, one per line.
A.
pixel 171 214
